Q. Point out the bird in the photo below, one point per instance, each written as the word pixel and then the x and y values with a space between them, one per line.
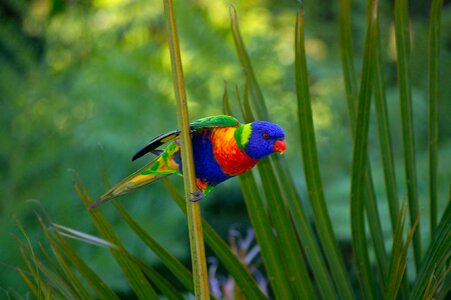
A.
pixel 222 148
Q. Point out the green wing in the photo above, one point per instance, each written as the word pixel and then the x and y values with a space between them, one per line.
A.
pixel 208 122
pixel 215 121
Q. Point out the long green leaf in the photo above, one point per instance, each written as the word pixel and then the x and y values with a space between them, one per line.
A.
pixel 243 56
pixel 384 136
pixel 41 286
pixel 398 259
pixel 269 243
pixel 35 270
pixel 402 50
pixel 359 162
pixel 293 259
pixel 28 282
pixel 135 277
pixel 346 50
pixel 434 46
pixel 318 267
pixel 436 258
pixel 347 58
pixel 292 199
pixel 255 205
pixel 176 267
pixel 52 281
pixel 269 246
pixel 82 292
pixel 312 171
pixel 304 230
pixel 298 276
pixel 162 284
pixel 222 251
pixel 100 287
pixel 63 270
pixel 385 145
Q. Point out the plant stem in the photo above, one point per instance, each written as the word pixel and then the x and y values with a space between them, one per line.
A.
pixel 403 49
pixel 200 275
pixel 434 46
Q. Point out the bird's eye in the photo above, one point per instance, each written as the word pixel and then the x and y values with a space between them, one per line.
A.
pixel 265 135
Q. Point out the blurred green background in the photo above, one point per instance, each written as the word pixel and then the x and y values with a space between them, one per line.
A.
pixel 84 84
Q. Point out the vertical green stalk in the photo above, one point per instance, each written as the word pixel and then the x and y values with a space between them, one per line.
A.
pixel 436 258
pixel 298 276
pixel 385 137
pixel 359 162
pixel 270 251
pixel 199 263
pixel 434 39
pixel 398 259
pixel 232 264
pixel 311 168
pixel 402 51
pixel 243 56
pixel 304 230
pixel 347 57
pixel 138 282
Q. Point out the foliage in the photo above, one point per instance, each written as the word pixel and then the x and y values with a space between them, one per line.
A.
pixel 92 66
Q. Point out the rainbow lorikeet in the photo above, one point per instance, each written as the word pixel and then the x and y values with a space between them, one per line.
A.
pixel 222 148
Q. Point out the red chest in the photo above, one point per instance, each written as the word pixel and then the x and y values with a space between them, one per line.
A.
pixel 232 160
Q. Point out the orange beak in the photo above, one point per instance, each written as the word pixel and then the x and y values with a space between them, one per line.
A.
pixel 280 146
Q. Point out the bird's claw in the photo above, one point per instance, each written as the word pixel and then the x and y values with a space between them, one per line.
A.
pixel 197 195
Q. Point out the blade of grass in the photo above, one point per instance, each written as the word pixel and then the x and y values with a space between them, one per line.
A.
pixel 385 140
pixel 304 230
pixel 243 56
pixel 165 287
pixel 374 222
pixel 319 269
pixel 359 162
pixel 270 242
pixel 59 272
pixel 54 283
pixel 269 246
pixel 436 257
pixel 235 268
pixel 82 292
pixel 255 205
pixel 438 288
pixel 295 269
pixel 29 283
pixel 398 259
pixel 136 278
pixel 100 287
pixel 173 264
pixel 39 285
pixel 199 263
pixel 402 51
pixel 36 276
pixel 347 58
pixel 298 276
pixel 312 171
pixel 162 284
pixel 433 47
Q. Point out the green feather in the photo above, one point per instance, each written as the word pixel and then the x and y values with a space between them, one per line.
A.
pixel 215 121
pixel 242 135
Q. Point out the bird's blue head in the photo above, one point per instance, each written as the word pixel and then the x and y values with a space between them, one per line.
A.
pixel 262 138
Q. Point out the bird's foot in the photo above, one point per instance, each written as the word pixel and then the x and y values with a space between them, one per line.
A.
pixel 197 195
